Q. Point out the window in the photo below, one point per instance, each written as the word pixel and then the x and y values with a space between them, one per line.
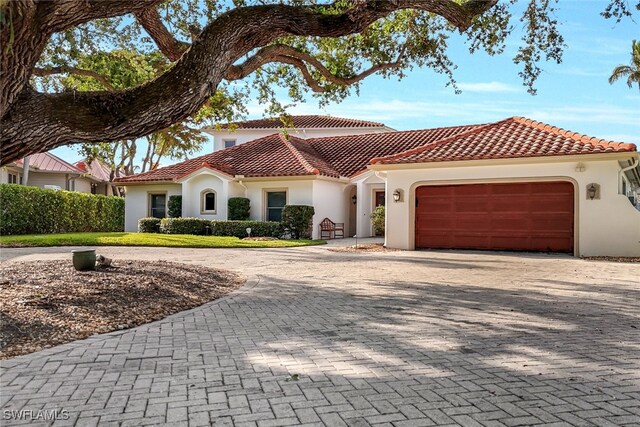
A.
pixel 208 202
pixel 228 143
pixel 13 178
pixel 275 202
pixel 157 205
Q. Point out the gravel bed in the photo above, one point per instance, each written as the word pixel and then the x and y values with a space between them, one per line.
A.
pixel 46 303
pixel 612 258
pixel 369 247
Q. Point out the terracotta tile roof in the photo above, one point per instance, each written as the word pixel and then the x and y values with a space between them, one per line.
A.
pixel 48 162
pixel 351 154
pixel 515 137
pixel 272 155
pixel 306 122
pixel 275 155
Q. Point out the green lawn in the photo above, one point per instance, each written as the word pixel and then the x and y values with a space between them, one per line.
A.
pixel 146 239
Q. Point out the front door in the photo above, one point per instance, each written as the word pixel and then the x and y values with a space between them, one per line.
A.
pixel 379 198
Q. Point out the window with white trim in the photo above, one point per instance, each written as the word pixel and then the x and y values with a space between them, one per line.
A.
pixel 228 143
pixel 208 202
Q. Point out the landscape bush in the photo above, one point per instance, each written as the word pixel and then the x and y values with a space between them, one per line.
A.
pixel 196 226
pixel 33 210
pixel 149 225
pixel 175 206
pixel 239 208
pixel 297 221
pixel 239 228
pixel 377 220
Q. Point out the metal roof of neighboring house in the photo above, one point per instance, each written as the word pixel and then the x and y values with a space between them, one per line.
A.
pixel 276 155
pixel 98 170
pixel 48 162
pixel 305 122
pixel 515 137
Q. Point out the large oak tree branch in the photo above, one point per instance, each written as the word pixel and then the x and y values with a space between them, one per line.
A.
pixel 42 72
pixel 39 121
pixel 171 47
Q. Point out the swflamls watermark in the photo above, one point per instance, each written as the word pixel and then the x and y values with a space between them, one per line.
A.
pixel 39 415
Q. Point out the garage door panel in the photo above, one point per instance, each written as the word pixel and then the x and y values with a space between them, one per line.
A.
pixel 535 216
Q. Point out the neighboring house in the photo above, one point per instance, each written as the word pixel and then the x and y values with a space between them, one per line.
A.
pixel 310 126
pixel 47 170
pixel 101 175
pixel 516 184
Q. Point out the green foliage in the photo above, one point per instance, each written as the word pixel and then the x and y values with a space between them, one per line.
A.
pixel 175 206
pixel 239 228
pixel 146 239
pixel 377 219
pixel 197 226
pixel 297 221
pixel 32 210
pixel 149 225
pixel 239 208
pixel 631 71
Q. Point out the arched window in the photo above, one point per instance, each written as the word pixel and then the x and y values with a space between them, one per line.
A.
pixel 208 202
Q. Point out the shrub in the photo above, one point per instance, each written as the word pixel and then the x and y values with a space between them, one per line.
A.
pixel 33 210
pixel 196 226
pixel 297 221
pixel 149 225
pixel 377 219
pixel 239 208
pixel 239 228
pixel 175 206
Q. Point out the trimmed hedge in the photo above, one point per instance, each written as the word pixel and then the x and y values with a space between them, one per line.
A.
pixel 297 221
pixel 33 210
pixel 175 206
pixel 239 208
pixel 239 228
pixel 196 226
pixel 149 225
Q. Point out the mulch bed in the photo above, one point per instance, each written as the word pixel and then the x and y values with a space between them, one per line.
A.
pixel 369 247
pixel 612 259
pixel 46 303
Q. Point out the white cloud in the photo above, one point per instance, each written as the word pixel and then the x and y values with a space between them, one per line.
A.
pixel 488 87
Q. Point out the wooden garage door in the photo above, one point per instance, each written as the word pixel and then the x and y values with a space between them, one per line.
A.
pixel 532 216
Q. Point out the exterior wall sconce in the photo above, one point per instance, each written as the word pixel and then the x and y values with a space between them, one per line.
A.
pixel 397 195
pixel 593 191
pixel 354 199
pixel 580 167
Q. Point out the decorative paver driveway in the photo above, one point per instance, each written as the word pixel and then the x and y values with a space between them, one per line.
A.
pixel 398 338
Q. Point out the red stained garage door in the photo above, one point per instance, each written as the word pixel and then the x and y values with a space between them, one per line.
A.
pixel 528 216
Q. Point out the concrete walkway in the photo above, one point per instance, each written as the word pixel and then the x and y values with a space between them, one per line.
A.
pixel 395 338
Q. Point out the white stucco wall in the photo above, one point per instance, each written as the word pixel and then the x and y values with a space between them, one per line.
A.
pixel 136 204
pixel 608 226
pixel 193 188
pixel 299 192
pixel 245 135
pixel 329 201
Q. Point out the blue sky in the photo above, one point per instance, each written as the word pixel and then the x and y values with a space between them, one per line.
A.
pixel 574 95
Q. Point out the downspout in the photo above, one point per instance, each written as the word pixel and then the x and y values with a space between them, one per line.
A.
pixel 239 181
pixel 622 171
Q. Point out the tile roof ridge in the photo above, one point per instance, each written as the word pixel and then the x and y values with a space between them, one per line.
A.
pixel 305 164
pixel 394 132
pixel 576 136
pixel 443 141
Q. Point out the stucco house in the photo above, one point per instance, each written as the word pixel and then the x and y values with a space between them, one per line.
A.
pixel 303 126
pixel 47 170
pixel 516 184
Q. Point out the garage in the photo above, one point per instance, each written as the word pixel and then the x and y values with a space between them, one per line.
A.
pixel 522 216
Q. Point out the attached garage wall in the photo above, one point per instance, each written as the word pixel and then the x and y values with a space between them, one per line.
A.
pixel 608 226
pixel 531 216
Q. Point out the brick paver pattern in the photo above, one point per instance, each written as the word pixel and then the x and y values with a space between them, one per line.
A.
pixel 385 339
